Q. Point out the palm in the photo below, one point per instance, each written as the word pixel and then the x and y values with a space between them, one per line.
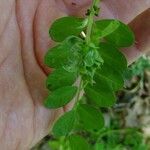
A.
pixel 23 42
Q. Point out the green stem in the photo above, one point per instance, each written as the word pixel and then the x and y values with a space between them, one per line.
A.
pixel 95 3
pixel 90 18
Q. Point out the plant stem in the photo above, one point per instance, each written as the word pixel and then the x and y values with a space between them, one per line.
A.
pixel 95 3
pixel 79 91
pixel 90 18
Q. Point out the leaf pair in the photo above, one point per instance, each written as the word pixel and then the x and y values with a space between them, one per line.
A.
pixel 113 31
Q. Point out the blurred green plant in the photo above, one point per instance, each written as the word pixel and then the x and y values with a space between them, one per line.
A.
pixel 108 139
pixel 138 68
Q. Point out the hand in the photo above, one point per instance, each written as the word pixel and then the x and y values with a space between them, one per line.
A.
pixel 24 40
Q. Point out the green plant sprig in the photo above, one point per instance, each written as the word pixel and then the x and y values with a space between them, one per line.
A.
pixel 92 13
pixel 95 61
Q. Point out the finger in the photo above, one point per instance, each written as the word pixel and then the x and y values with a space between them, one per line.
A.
pixel 141 27
pixel 47 12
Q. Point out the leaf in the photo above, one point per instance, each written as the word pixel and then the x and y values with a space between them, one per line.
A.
pixel 64 124
pixel 60 78
pixel 59 55
pixel 92 57
pixel 113 77
pixel 121 36
pixel 100 93
pixel 112 70
pixel 99 146
pixel 60 97
pixel 104 28
pixel 54 144
pixel 91 118
pixel 78 143
pixel 66 26
pixel 113 56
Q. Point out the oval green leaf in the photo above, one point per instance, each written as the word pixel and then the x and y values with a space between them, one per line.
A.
pixel 91 118
pixel 65 124
pixel 100 93
pixel 114 78
pixel 103 28
pixel 121 36
pixel 77 142
pixel 111 55
pixel 66 26
pixel 60 78
pixel 59 55
pixel 60 97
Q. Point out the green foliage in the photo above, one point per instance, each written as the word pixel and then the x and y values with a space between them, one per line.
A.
pixel 121 36
pixel 60 77
pixel 137 69
pixel 65 124
pixel 100 93
pixel 66 26
pixel 59 144
pixel 107 139
pixel 113 77
pixel 78 143
pixel 104 30
pixel 61 54
pixel 90 117
pixel 60 97
pixel 82 55
pixel 113 56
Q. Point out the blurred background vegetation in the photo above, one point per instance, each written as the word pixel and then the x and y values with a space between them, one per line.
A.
pixel 128 122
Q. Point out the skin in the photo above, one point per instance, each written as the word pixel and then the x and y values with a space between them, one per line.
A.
pixel 24 40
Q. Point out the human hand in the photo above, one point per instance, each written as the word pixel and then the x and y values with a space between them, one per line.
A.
pixel 24 40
